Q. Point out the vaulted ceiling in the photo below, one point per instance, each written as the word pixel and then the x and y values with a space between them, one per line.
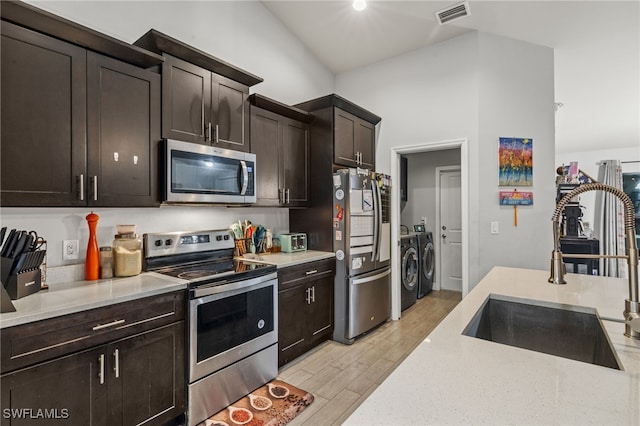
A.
pixel 596 44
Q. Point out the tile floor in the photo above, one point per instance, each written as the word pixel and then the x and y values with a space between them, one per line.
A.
pixel 342 376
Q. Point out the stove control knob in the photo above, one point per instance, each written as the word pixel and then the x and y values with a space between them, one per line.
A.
pixel 226 237
pixel 218 237
pixel 168 242
pixel 157 243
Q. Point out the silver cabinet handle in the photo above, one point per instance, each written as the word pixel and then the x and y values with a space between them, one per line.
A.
pixel 116 358
pixel 107 325
pixel 313 271
pixel 217 134
pixel 95 188
pixel 101 368
pixel 208 136
pixel 81 187
pixel 308 298
pixel 288 199
pixel 313 294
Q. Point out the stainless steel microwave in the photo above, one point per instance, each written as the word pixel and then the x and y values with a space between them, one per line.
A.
pixel 195 173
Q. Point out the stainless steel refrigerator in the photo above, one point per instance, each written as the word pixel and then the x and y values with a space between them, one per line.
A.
pixel 362 244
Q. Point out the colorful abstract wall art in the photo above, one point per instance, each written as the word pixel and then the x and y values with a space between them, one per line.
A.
pixel 515 157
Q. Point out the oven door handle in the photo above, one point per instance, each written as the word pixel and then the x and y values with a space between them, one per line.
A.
pixel 222 289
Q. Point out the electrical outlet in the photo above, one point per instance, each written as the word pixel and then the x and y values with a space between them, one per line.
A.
pixel 70 249
pixel 494 227
pixel 423 219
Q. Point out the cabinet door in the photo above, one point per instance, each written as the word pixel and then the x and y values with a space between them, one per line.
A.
pixel 67 391
pixel 365 144
pixel 186 101
pixel 345 127
pixel 266 130
pixel 295 162
pixel 320 317
pixel 292 308
pixel 230 113
pixel 146 377
pixel 123 104
pixel 43 150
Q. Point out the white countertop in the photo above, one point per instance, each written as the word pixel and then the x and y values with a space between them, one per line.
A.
pixel 282 260
pixel 455 379
pixel 63 299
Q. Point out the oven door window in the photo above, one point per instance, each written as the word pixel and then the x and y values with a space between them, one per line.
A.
pixel 205 174
pixel 228 322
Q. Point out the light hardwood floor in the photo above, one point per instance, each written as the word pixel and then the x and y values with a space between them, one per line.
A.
pixel 342 376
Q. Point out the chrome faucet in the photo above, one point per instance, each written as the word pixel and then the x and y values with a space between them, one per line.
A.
pixel 631 305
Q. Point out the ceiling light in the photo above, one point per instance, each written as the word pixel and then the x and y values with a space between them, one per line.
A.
pixel 359 4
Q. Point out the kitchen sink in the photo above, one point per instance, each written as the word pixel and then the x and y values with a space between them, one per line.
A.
pixel 571 332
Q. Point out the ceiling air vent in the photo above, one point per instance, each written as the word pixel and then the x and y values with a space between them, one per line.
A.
pixel 452 13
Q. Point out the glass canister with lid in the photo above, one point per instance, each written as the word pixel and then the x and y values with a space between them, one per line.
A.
pixel 127 252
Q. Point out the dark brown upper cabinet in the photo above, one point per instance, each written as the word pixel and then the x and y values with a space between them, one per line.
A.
pixel 281 143
pixel 204 99
pixel 43 150
pixel 123 131
pixel 350 128
pixel 78 128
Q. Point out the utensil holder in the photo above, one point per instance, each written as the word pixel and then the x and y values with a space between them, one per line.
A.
pixel 242 246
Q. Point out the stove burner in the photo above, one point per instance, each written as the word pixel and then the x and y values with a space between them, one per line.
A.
pixel 190 275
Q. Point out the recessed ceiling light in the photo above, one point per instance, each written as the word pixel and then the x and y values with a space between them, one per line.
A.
pixel 359 4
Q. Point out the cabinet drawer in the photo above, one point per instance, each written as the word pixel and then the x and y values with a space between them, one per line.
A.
pixel 28 344
pixel 299 274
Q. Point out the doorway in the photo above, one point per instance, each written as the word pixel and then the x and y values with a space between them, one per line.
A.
pixel 396 152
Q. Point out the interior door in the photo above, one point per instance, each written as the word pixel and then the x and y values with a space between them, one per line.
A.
pixel 450 240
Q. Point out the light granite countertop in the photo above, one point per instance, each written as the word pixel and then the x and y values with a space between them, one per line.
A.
pixel 72 297
pixel 455 379
pixel 282 260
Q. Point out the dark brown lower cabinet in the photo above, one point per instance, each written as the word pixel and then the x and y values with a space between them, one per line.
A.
pixel 305 308
pixel 145 377
pixel 118 365
pixel 137 380
pixel 60 392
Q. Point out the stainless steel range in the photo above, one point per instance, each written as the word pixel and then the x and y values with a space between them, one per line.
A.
pixel 232 324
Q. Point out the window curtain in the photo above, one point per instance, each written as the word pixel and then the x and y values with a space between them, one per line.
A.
pixel 609 221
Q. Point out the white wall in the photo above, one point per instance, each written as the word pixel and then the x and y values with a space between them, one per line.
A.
pixel 242 33
pixel 516 99
pixel 421 193
pixel 478 87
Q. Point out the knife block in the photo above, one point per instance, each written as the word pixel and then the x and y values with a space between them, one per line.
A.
pixel 6 265
pixel 24 284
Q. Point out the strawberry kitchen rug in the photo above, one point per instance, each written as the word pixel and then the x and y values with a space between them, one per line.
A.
pixel 274 404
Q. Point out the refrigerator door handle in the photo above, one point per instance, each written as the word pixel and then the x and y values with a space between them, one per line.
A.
pixel 377 224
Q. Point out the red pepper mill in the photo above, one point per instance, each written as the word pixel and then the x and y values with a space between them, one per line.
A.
pixel 92 263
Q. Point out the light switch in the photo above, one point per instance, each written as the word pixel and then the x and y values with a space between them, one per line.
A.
pixel 494 228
